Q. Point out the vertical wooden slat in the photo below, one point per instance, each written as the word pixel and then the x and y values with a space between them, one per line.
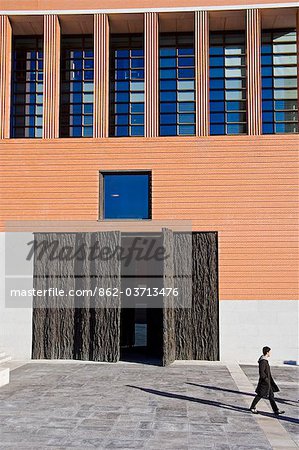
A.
pixel 202 72
pixel 253 32
pixel 101 76
pixel 51 77
pixel 151 63
pixel 5 75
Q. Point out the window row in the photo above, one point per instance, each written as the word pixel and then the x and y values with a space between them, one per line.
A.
pixel 227 75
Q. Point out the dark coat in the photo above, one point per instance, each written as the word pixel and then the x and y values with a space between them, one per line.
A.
pixel 266 381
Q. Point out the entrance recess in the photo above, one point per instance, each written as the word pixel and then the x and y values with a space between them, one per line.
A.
pixel 141 328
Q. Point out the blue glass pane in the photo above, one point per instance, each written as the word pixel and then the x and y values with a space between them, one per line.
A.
pixel 185 51
pixel 122 97
pixel 122 119
pixel 137 107
pixel 216 61
pixel 186 73
pixel 122 85
pixel 126 196
pixel 234 129
pixel 137 74
pixel 122 53
pixel 267 94
pixel 217 83
pixel 216 73
pixel 266 71
pixel 234 117
pixel 87 132
pixel 167 52
pixel 217 118
pixel 266 60
pixel 186 118
pixel 267 82
pixel 186 130
pixel 267 105
pixel 121 108
pixel 216 129
pixel 217 50
pixel 268 128
pixel 137 119
pixel 266 48
pixel 168 96
pixel 169 85
pixel 137 63
pixel 280 128
pixel 217 106
pixel 267 116
pixel 137 131
pixel 122 75
pixel 167 62
pixel 122 63
pixel 168 107
pixel 186 62
pixel 137 52
pixel 168 130
pixel 167 119
pixel 184 107
pixel 76 132
pixel 235 106
pixel 121 131
pixel 168 73
pixel 217 95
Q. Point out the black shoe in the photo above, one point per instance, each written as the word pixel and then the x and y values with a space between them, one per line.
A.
pixel 254 410
pixel 277 413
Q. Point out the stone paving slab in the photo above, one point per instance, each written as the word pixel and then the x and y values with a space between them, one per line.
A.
pixel 286 378
pixel 126 406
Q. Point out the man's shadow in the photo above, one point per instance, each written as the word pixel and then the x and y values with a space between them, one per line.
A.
pixel 206 402
pixel 214 388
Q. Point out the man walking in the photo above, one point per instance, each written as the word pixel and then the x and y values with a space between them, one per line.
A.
pixel 266 385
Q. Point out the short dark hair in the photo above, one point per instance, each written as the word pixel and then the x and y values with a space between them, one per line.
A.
pixel 266 350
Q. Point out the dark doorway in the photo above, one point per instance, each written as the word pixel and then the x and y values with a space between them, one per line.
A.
pixel 141 323
pixel 141 335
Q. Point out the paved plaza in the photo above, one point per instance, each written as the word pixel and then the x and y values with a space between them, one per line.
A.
pixel 67 405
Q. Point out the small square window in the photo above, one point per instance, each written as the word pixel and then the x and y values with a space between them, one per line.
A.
pixel 125 195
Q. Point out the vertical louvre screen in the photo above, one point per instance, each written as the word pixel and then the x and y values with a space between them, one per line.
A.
pixel 227 83
pixel 77 86
pixel 177 84
pixel 279 82
pixel 27 87
pixel 126 85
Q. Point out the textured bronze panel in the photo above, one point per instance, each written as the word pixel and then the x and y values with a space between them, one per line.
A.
pixel 168 304
pixel 53 324
pixel 196 328
pixel 84 327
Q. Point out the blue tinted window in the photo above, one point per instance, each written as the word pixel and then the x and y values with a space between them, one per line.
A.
pixel 227 83
pixel 126 196
pixel 27 87
pixel 279 81
pixel 177 84
pixel 126 85
pixel 76 85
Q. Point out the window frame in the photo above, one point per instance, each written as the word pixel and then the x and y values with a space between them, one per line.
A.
pixel 127 43
pixel 222 35
pixel 67 82
pixel 269 41
pixel 14 91
pixel 177 67
pixel 101 191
